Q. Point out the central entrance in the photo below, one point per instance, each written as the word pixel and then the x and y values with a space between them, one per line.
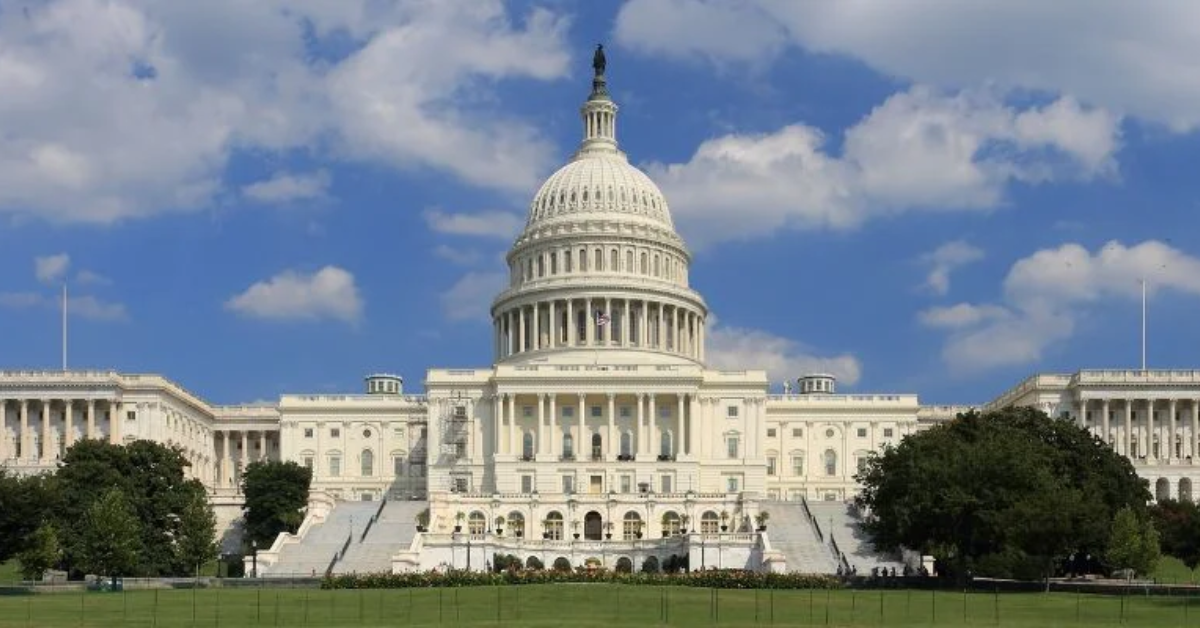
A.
pixel 593 526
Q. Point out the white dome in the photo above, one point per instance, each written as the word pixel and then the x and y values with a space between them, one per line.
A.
pixel 599 185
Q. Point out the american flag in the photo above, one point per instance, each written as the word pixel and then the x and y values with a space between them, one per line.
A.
pixel 601 318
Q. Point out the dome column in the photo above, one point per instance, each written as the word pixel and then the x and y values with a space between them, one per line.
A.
pixel 625 326
pixel 571 322
pixel 552 323
pixel 537 323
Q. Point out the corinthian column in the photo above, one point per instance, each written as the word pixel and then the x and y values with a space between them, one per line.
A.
pixel 47 440
pixel 69 422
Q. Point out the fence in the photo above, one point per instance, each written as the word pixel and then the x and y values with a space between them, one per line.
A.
pixel 584 605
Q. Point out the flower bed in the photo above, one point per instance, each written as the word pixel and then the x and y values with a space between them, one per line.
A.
pixel 724 579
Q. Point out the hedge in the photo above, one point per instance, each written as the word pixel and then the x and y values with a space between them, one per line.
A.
pixel 713 579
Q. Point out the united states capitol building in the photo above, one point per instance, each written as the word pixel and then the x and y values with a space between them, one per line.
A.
pixel 597 436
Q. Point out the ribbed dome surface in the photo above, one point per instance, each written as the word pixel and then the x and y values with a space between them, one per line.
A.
pixel 601 185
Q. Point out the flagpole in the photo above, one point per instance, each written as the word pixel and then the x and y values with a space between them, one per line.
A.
pixel 1143 324
pixel 64 326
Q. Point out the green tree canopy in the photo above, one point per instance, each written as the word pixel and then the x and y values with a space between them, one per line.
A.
pixel 196 541
pixel 42 552
pixel 1003 493
pixel 1133 543
pixel 276 495
pixel 110 541
pixel 26 503
pixel 1178 524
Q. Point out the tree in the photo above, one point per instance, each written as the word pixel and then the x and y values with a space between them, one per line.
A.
pixel 1133 543
pixel 276 496
pixel 1178 524
pixel 110 541
pixel 26 502
pixel 1005 493
pixel 196 541
pixel 42 552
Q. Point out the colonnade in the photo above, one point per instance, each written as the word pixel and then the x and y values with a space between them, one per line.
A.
pixel 1147 428
pixel 600 322
pixel 229 465
pixel 39 431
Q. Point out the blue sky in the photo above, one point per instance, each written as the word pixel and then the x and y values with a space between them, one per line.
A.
pixel 919 196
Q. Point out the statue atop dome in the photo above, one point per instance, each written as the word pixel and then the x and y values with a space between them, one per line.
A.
pixel 598 60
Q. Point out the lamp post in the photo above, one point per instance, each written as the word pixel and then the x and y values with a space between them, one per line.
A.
pixel 254 558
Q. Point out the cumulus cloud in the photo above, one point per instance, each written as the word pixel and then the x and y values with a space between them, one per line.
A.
pixel 944 260
pixel 484 224
pixel 919 150
pixel 1045 293
pixel 471 296
pixel 329 293
pixel 1139 59
pixel 174 89
pixel 286 187
pixel 729 347
pixel 51 268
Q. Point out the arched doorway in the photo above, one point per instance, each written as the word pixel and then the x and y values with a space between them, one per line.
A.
pixel 562 564
pixel 624 565
pixel 593 526
pixel 1162 489
pixel 1185 490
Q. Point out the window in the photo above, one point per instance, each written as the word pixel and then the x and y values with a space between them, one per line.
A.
pixel 665 483
pixel 625 412
pixel 597 454
pixel 731 484
pixel 567 261
pixel 477 523
pixel 731 412
pixel 710 523
pixel 527 484
pixel 366 433
pixel 798 465
pixel 797 432
pixel 671 523
pixel 308 432
pixel 398 432
pixel 887 432
pixel 664 412
pixel 626 484
pixel 368 463
pixel 308 462
pixel 861 463
pixel 335 432
pixel 131 416
pixel 770 465
pixel 568 447
pixel 665 444
pixel 626 443
pixel 527 411
pixel 829 433
pixel 335 466
pixel 770 432
pixel 862 432
pixel 597 412
pixel 568 412
pixel 631 526
pixel 830 462
pixel 731 445
pixel 568 484
pixel 398 465
pixel 527 446
pixel 461 485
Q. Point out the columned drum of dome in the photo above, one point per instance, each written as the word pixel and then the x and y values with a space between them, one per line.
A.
pixel 599 265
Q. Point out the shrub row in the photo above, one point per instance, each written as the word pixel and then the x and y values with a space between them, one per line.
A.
pixel 714 579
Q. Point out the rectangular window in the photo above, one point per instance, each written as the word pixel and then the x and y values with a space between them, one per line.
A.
pixel 861 464
pixel 335 466
pixel 862 432
pixel 666 483
pixel 568 484
pixel 308 462
pixel 664 412
pixel 625 412
pixel 597 412
pixel 568 411
pixel 731 485
pixel 335 432
pixel 398 465
pixel 527 484
pixel 887 432
pixel 626 484
pixel 770 432
pixel 770 465
pixel 461 485
pixel 731 412
pixel 527 411
pixel 131 416
pixel 797 465
pixel 308 432
pixel 797 432
pixel 731 445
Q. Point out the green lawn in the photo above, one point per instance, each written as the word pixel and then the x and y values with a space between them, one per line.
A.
pixel 585 606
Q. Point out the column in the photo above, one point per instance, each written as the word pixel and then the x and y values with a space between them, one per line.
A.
pixel 68 423
pixel 554 416
pixel 590 322
pixel 91 418
pixel 521 329
pixel 608 335
pixel 677 447
pixel 552 323
pixel 508 321
pixel 1150 453
pixel 222 453
pixel 47 441
pixel 262 445
pixel 643 332
pixel 703 337
pixel 639 432
pixel 4 453
pixel 246 456
pixel 1104 421
pixel 625 325
pixel 512 423
pixel 1195 430
pixel 571 322
pixel 26 435
pixel 1128 439
pixel 497 424
pixel 114 422
pixel 612 447
pixel 537 326
pixel 577 429
pixel 653 440
pixel 1171 438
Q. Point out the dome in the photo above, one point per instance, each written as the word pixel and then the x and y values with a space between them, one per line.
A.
pixel 599 185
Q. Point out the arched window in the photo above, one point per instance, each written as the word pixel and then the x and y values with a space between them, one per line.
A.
pixel 566 261
pixel 830 462
pixel 710 523
pixel 599 261
pixel 645 269
pixel 541 266
pixel 614 262
pixel 656 265
pixel 597 454
pixel 554 526
pixel 553 262
pixel 582 260
pixel 568 446
pixel 632 526
pixel 626 443
pixel 368 463
pixel 527 446
pixel 477 523
pixel 670 523
pixel 516 523
pixel 628 261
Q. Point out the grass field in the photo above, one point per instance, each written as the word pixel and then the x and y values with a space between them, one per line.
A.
pixel 585 606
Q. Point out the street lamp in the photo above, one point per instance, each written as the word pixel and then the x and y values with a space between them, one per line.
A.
pixel 254 558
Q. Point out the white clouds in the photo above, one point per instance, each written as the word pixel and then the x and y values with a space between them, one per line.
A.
pixel 329 293
pixel 1140 59
pixel 173 89
pixel 1046 292
pixel 460 257
pixel 919 150
pixel 51 268
pixel 945 259
pixel 487 224
pixel 470 297
pixel 782 358
pixel 284 187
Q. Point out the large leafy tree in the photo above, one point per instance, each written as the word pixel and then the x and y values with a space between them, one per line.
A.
pixel 42 551
pixel 1004 493
pixel 276 495
pixel 109 544
pixel 196 541
pixel 26 503
pixel 1178 524
pixel 1133 544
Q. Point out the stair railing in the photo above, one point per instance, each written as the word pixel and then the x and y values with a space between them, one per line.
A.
pixel 339 555
pixel 372 520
